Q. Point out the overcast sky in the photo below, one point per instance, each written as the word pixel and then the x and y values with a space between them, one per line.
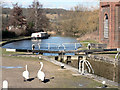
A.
pixel 65 4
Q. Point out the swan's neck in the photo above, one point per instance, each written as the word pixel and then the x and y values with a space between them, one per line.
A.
pixel 41 67
pixel 26 67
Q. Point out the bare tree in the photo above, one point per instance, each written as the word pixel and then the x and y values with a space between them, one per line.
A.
pixel 79 21
pixel 37 17
pixel 16 17
pixel 17 21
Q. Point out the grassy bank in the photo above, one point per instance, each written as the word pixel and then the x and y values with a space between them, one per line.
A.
pixel 4 52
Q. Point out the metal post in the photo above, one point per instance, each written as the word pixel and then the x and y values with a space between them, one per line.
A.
pixel 75 46
pixel 114 70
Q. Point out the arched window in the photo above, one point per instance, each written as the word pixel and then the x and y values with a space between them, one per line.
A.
pixel 106 25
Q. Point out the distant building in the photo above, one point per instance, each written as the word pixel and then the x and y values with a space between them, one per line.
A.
pixel 109 23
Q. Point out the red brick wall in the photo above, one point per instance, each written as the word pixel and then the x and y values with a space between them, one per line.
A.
pixel 112 10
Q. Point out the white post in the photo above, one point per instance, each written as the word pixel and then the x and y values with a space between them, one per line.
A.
pixel 63 46
pixel 48 46
pixel 88 67
pixel 59 47
pixel 39 45
pixel 5 85
pixel 115 60
pixel 80 62
pixel 75 46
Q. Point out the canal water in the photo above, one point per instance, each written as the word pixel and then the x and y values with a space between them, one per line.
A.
pixel 56 43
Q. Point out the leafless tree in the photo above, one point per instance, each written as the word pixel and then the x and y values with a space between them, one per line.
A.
pixel 16 17
pixel 17 21
pixel 37 18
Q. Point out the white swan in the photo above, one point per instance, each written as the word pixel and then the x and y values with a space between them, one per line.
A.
pixel 5 84
pixel 41 74
pixel 26 74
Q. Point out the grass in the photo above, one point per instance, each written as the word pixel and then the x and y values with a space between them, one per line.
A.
pixel 3 50
pixel 85 42
pixel 89 41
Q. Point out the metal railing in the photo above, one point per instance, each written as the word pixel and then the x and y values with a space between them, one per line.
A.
pixel 58 46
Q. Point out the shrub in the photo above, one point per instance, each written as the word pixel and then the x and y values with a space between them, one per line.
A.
pixel 7 34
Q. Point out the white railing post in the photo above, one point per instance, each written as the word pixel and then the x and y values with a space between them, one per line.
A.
pixel 39 46
pixel 48 46
pixel 63 46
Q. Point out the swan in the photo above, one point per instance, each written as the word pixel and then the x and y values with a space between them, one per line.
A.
pixel 26 74
pixel 41 74
pixel 5 84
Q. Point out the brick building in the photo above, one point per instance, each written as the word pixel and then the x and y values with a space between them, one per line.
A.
pixel 109 23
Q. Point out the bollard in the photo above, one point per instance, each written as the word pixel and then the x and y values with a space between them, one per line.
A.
pixel 62 66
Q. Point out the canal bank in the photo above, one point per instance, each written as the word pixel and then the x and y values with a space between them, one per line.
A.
pixel 68 67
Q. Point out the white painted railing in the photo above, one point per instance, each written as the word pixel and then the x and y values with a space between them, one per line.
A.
pixel 57 45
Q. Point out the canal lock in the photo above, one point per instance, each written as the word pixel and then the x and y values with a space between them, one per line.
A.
pixel 102 66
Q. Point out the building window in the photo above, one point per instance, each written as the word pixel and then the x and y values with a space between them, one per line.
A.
pixel 106 25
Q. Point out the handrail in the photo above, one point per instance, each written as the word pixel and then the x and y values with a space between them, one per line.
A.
pixel 57 45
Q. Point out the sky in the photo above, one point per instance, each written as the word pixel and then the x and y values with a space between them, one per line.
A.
pixel 65 4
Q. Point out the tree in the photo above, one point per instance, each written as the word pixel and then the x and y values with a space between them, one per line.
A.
pixel 17 18
pixel 79 21
pixel 5 19
pixel 37 19
pixel 17 21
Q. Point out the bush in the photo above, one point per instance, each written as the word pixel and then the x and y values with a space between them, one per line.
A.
pixel 8 34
